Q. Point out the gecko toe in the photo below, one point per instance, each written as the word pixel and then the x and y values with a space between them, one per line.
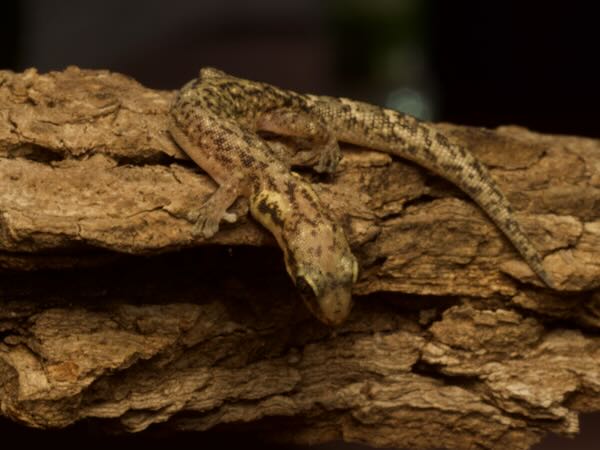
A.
pixel 330 157
pixel 230 217
pixel 206 223
pixel 205 227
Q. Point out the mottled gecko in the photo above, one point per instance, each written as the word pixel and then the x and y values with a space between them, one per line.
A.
pixel 215 119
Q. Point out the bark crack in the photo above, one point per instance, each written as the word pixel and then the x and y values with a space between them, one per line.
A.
pixel 206 334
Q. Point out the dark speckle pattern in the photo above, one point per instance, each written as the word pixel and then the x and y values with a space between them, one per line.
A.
pixel 215 119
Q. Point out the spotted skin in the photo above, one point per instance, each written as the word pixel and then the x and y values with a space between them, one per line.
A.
pixel 215 119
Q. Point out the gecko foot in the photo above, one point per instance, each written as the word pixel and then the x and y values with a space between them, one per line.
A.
pixel 301 153
pixel 321 150
pixel 206 220
pixel 210 214
pixel 329 157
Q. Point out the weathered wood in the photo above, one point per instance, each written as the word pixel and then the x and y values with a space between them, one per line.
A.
pixel 110 309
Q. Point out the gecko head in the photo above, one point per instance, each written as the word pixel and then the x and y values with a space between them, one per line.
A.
pixel 328 295
pixel 316 253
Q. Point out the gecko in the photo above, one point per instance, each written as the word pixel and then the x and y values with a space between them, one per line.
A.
pixel 216 119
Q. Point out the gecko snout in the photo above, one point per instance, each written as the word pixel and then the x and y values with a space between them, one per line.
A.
pixel 331 305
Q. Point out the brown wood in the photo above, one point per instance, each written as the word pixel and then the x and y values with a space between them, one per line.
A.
pixel 110 309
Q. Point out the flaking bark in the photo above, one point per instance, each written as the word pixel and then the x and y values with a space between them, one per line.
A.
pixel 109 309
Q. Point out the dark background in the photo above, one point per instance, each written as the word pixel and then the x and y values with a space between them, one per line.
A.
pixel 478 63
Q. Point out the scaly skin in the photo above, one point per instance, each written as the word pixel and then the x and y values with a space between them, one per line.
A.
pixel 215 119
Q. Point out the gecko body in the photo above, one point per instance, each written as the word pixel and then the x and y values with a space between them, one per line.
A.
pixel 215 119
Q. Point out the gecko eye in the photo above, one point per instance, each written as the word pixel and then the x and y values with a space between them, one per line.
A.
pixel 305 288
pixel 308 295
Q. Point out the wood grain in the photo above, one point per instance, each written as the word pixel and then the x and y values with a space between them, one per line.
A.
pixel 109 309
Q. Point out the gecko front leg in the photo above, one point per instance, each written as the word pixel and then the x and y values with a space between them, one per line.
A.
pixel 209 215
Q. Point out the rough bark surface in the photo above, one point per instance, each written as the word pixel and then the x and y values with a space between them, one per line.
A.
pixel 110 310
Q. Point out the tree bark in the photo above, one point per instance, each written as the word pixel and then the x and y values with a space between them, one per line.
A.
pixel 110 309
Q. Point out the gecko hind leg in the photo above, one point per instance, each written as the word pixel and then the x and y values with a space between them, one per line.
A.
pixel 323 153
pixel 210 214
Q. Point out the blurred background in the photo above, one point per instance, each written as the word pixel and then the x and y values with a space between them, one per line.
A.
pixel 475 63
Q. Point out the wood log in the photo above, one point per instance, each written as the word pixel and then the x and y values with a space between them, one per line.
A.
pixel 110 311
